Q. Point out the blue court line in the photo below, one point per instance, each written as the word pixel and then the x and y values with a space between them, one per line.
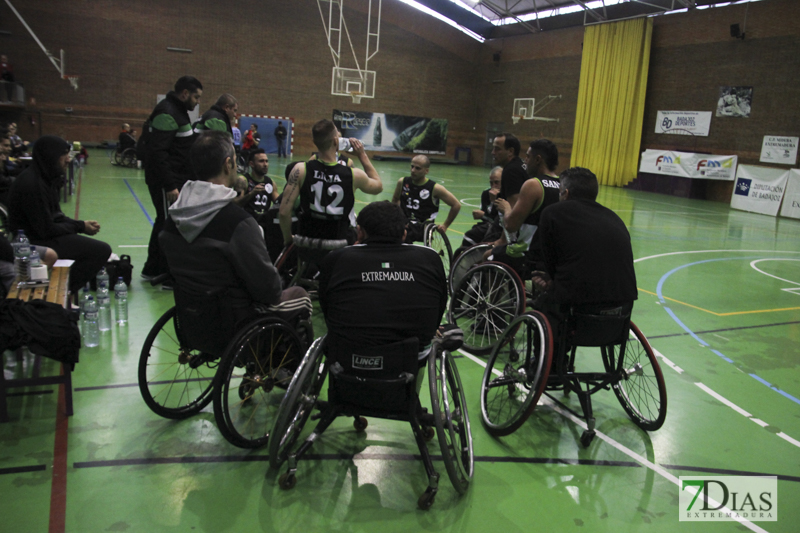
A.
pixel 683 326
pixel 150 220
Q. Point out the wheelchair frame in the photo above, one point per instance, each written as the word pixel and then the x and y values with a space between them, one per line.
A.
pixel 125 158
pixel 177 381
pixel 438 241
pixel 449 416
pixel 519 371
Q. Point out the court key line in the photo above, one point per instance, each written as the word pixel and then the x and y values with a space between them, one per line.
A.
pixel 146 214
pixel 627 451
pixel 724 314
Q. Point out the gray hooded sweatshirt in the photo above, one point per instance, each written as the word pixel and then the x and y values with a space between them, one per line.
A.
pixel 213 245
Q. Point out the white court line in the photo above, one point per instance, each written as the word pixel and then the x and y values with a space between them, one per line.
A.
pixel 724 400
pixel 712 252
pixel 669 363
pixel 630 453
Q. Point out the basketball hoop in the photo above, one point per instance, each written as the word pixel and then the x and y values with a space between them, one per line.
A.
pixel 73 80
pixel 356 96
pixel 516 118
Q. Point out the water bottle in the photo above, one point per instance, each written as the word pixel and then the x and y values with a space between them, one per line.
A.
pixel 102 275
pixel 87 294
pixel 91 335
pixel 344 144
pixel 35 261
pixel 121 297
pixel 103 306
pixel 22 252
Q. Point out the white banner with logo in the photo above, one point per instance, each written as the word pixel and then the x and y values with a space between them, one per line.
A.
pixel 759 189
pixel 791 200
pixel 684 122
pixel 781 150
pixel 689 165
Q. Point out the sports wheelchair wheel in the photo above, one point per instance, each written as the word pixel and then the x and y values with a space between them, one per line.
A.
pixel 117 157
pixel 641 389
pixel 516 374
pixel 297 404
pixel 128 158
pixel 437 240
pixel 253 376
pixel 287 265
pixel 175 381
pixel 449 408
pixel 486 300
pixel 469 258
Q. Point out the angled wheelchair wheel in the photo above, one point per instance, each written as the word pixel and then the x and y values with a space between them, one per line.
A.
pixel 449 408
pixel 175 381
pixel 437 240
pixel 241 164
pixel 641 390
pixel 516 374
pixel 469 258
pixel 117 157
pixel 128 158
pixel 298 403
pixel 254 373
pixel 486 300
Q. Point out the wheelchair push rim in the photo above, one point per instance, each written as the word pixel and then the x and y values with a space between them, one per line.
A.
pixel 437 240
pixel 175 381
pixel 641 389
pixel 255 371
pixel 298 403
pixel 488 298
pixel 452 419
pixel 516 374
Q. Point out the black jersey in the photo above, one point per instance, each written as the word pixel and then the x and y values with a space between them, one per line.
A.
pixel 418 202
pixel 260 202
pixel 374 294
pixel 512 178
pixel 326 201
pixel 550 187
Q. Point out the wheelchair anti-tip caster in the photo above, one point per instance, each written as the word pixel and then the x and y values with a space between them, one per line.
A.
pixel 360 423
pixel 287 481
pixel 425 501
pixel 587 437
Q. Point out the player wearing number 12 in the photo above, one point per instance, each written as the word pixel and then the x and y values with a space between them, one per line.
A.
pixel 326 189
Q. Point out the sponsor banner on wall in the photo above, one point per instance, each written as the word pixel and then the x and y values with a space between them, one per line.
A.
pixel 759 189
pixel 684 122
pixel 689 165
pixel 383 132
pixel 791 199
pixel 777 149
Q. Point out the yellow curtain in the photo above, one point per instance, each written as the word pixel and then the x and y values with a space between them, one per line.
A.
pixel 608 123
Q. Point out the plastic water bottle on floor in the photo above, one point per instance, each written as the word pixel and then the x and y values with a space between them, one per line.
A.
pixel 91 334
pixel 102 275
pixel 103 306
pixel 121 297
pixel 22 252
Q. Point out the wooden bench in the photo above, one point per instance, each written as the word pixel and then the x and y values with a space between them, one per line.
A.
pixel 56 292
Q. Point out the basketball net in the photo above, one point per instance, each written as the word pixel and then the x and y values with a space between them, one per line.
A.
pixel 516 118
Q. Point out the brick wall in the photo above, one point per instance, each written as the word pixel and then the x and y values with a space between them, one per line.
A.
pixel 272 55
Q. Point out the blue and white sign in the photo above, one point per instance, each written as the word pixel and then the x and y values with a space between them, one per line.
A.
pixel 684 122
pixel 759 189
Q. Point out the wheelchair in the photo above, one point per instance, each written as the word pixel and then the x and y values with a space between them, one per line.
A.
pixel 391 394
pixel 298 263
pixel 522 367
pixel 125 158
pixel 437 240
pixel 188 361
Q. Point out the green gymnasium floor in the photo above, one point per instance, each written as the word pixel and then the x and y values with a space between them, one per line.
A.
pixel 719 300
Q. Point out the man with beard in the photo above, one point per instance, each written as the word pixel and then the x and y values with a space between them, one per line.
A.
pixel 34 208
pixel 167 161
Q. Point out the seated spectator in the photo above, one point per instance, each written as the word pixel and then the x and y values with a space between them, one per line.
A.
pixel 18 146
pixel 126 139
pixel 213 246
pixel 34 207
pixel 587 253
pixel 380 290
pixel 419 197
